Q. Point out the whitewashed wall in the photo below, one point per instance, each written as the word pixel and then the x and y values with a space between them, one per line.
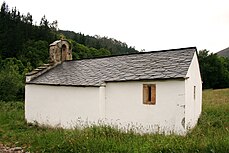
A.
pixel 119 104
pixel 60 105
pixel 125 108
pixel 193 106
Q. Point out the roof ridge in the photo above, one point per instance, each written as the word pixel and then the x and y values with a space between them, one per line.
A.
pixel 138 53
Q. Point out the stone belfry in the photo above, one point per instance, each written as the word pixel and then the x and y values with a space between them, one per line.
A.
pixel 60 51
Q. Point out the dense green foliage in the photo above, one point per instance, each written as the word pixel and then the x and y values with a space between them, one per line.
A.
pixel 210 135
pixel 19 35
pixel 214 70
pixel 11 79
pixel 26 46
pixel 114 46
pixel 17 29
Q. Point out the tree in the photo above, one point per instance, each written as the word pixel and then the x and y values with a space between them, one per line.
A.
pixel 214 70
pixel 54 25
pixel 104 52
pixel 34 53
pixel 80 51
pixel 11 80
pixel 114 46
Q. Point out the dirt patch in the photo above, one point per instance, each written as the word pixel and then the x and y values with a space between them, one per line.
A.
pixel 5 149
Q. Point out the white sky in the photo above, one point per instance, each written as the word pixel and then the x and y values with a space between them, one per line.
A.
pixel 145 24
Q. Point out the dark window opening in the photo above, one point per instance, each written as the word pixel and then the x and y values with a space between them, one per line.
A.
pixel 64 47
pixel 194 93
pixel 149 94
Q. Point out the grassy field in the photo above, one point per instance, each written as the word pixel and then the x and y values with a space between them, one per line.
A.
pixel 211 134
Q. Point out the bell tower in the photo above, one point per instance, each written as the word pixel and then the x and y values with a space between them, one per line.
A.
pixel 60 51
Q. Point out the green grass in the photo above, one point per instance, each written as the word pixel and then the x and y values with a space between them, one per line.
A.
pixel 210 135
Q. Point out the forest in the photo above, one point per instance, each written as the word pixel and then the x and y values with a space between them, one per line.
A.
pixel 24 46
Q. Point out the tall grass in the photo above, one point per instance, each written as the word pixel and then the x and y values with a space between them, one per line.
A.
pixel 210 135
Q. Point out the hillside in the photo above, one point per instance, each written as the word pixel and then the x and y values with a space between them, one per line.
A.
pixel 23 40
pixel 116 47
pixel 24 46
pixel 224 52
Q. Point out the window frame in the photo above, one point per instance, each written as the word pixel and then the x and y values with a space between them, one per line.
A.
pixel 149 94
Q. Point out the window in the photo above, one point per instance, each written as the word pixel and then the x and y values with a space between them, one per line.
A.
pixel 149 94
pixel 194 93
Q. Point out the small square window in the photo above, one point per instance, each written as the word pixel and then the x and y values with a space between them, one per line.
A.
pixel 149 94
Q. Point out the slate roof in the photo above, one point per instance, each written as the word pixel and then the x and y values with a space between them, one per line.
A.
pixel 168 64
pixel 224 52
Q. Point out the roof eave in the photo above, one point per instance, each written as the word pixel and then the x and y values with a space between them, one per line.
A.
pixel 142 80
pixel 70 85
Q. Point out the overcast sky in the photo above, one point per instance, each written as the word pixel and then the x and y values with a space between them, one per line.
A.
pixel 145 24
